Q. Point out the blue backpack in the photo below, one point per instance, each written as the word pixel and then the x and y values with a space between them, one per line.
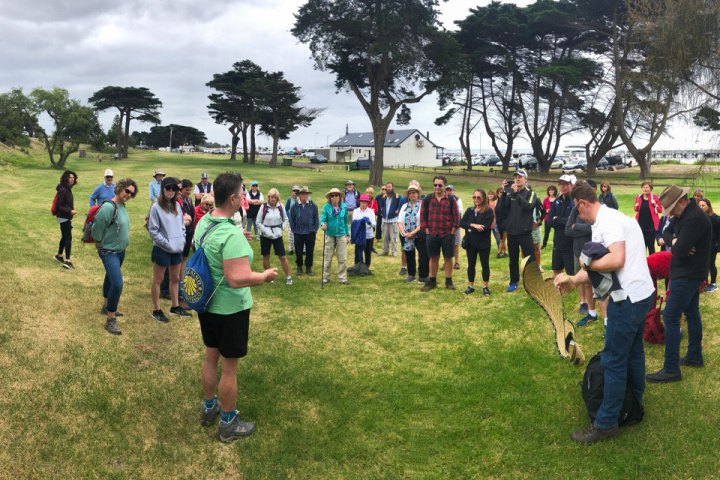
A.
pixel 197 286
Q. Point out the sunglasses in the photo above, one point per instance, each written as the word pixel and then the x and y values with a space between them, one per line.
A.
pixel 130 192
pixel 174 188
pixel 109 176
pixel 438 185
pixel 477 197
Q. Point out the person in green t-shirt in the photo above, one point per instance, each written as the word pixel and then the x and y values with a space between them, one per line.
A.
pixel 225 324
pixel 111 231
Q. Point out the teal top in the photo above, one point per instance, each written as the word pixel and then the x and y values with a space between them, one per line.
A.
pixel 224 242
pixel 109 234
pixel 337 223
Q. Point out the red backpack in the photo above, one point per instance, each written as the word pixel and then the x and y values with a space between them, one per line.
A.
pixel 654 329
pixel 53 207
pixel 90 219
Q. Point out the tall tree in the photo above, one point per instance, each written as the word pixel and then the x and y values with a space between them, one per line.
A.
pixel 132 103
pixel 73 123
pixel 160 136
pixel 389 53
pixel 235 105
pixel 17 119
pixel 277 100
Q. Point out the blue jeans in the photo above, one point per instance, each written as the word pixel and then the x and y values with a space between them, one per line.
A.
pixel 113 283
pixel 684 298
pixel 623 357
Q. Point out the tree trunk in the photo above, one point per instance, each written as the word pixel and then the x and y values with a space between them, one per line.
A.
pixel 252 142
pixel 126 135
pixel 243 132
pixel 118 145
pixel 234 130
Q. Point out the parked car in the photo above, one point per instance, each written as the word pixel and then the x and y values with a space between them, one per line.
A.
pixel 580 164
pixel 318 158
pixel 556 163
pixel 614 160
pixel 492 161
pixel 514 162
pixel 529 162
pixel 603 164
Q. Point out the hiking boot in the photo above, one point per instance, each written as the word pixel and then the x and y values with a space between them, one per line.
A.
pixel 586 319
pixel 103 311
pixel 410 279
pixel 208 415
pixel 111 326
pixel 344 282
pixel 299 271
pixel 429 285
pixel 685 362
pixel 590 434
pixel 470 289
pixel 180 312
pixel 326 281
pixel 583 308
pixel 711 287
pixel 160 316
pixel 512 287
pixel 228 432
pixel 68 265
pixel 289 280
pixel 449 285
pixel 661 376
pixel 59 258
pixel 403 271
pixel 486 291
pixel 308 271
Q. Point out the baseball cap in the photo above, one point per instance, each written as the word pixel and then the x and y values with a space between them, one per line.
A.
pixel 109 173
pixel 254 183
pixel 450 187
pixel 571 179
pixel 204 175
pixel 520 172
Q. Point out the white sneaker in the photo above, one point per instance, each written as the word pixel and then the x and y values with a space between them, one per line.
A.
pixel 289 280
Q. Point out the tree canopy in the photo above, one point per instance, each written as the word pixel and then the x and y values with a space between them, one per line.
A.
pixel 389 53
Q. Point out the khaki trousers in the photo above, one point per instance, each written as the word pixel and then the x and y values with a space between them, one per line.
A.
pixel 338 246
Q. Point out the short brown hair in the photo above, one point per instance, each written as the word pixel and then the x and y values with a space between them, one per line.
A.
pixel 648 183
pixel 125 183
pixel 583 191
pixel 606 185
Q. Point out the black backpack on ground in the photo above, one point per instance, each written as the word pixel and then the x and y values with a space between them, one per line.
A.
pixel 592 393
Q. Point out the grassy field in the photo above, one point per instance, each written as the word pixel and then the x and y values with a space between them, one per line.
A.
pixel 374 380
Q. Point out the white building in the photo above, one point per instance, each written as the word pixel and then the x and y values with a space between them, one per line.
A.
pixel 402 148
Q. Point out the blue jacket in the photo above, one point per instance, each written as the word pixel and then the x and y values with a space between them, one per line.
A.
pixel 102 193
pixel 394 207
pixel 304 218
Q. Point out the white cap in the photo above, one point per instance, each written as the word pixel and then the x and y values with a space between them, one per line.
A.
pixel 108 173
pixel 571 179
pixel 520 172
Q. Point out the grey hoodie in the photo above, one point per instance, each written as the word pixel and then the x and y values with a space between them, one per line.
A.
pixel 167 229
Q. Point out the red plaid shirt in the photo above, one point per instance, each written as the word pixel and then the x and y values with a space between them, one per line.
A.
pixel 441 216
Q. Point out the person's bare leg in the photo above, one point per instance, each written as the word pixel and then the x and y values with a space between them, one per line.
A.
pixel 158 274
pixel 448 267
pixel 266 262
pixel 284 263
pixel 227 387
pixel 174 275
pixel 434 265
pixel 208 373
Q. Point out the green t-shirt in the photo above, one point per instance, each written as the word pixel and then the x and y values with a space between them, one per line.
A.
pixel 111 235
pixel 224 242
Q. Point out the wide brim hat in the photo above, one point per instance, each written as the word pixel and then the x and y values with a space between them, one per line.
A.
pixel 349 182
pixel 413 188
pixel 159 171
pixel 671 195
pixel 305 190
pixel 295 187
pixel 337 191
pixel 364 198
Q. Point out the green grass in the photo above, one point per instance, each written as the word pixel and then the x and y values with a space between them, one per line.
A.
pixel 374 380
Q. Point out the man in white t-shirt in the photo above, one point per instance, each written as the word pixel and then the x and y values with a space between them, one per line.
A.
pixel 623 357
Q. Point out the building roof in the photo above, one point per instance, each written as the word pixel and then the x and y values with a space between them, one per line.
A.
pixel 393 138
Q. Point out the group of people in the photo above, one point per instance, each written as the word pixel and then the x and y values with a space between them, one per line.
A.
pixel 592 242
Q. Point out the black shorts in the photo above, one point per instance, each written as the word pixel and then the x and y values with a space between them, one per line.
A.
pixel 163 258
pixel 187 247
pixel 563 259
pixel 445 244
pixel 276 243
pixel 227 333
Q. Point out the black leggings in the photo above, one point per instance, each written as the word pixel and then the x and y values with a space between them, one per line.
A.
pixel 363 254
pixel 65 239
pixel 472 254
pixel 548 229
pixel 649 238
pixel 713 267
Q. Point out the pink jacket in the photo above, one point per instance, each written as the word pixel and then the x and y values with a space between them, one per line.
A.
pixel 655 208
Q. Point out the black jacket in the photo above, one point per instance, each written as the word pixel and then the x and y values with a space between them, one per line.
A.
pixel 692 230
pixel 578 230
pixel 65 201
pixel 609 200
pixel 559 214
pixel 475 239
pixel 518 206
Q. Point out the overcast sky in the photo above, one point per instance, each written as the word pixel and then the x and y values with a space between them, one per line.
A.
pixel 174 47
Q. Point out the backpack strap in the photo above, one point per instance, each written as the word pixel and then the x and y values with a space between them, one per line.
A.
pixel 202 238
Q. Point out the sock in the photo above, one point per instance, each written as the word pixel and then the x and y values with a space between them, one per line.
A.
pixel 227 417
pixel 592 313
pixel 605 323
pixel 210 403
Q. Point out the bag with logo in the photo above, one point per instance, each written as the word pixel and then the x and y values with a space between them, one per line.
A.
pixel 593 385
pixel 197 287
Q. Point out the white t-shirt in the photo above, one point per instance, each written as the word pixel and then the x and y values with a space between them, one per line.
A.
pixel 610 227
